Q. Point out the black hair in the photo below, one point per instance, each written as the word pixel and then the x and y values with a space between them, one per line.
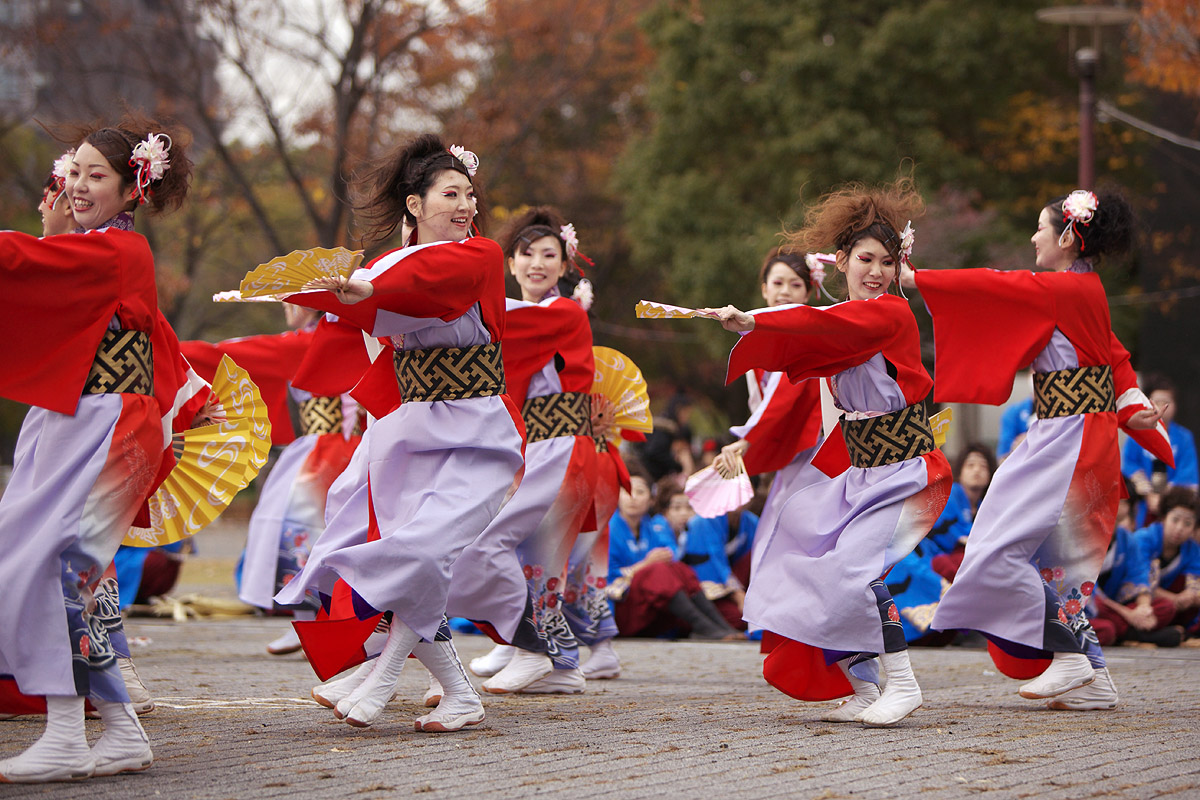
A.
pixel 1108 232
pixel 789 258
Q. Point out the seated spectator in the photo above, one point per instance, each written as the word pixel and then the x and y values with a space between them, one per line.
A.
pixel 947 540
pixel 1150 476
pixel 1122 606
pixel 713 545
pixel 1174 554
pixel 1014 424
pixel 919 579
pixel 653 592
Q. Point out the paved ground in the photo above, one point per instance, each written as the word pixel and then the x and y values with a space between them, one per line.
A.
pixel 684 720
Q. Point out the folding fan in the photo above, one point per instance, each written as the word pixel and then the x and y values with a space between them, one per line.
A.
pixel 621 382
pixel 212 463
pixel 939 423
pixel 234 296
pixel 288 274
pixel 645 309
pixel 713 494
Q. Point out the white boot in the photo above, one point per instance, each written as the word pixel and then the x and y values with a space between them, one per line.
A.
pixel 459 705
pixel 330 693
pixel 364 705
pixel 124 746
pixel 61 754
pixel 433 695
pixel 559 681
pixel 1066 672
pixel 901 696
pixel 849 710
pixel 496 660
pixel 524 668
pixel 602 663
pixel 139 695
pixel 1099 695
pixel 289 642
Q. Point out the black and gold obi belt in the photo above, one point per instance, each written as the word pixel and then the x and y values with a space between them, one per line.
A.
pixel 558 414
pixel 889 438
pixel 449 373
pixel 1066 392
pixel 124 364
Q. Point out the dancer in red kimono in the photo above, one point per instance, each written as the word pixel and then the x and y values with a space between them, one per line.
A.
pixel 444 451
pixel 819 591
pixel 512 576
pixel 91 353
pixel 1041 533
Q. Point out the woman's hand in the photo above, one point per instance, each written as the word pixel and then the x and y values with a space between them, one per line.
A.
pixel 659 554
pixel 1141 617
pixel 731 319
pixel 908 276
pixel 1146 419
pixel 212 413
pixel 725 464
pixel 348 290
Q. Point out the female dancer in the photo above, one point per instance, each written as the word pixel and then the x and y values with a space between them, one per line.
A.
pixel 785 417
pixel 1042 531
pixel 91 449
pixel 438 466
pixel 819 581
pixel 512 575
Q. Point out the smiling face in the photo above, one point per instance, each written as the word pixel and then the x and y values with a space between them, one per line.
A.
pixel 55 209
pixel 869 268
pixel 783 286
pixel 1048 255
pixel 96 191
pixel 537 267
pixel 444 214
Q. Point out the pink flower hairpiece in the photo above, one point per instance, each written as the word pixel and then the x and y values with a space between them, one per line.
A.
pixel 584 294
pixel 1078 209
pixel 152 160
pixel 468 159
pixel 61 169
pixel 816 263
pixel 570 239
pixel 908 237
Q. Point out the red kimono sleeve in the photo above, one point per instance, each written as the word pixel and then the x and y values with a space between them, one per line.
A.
pixel 790 423
pixel 536 333
pixel 1130 400
pixel 60 294
pixel 987 325
pixel 335 360
pixel 813 342
pixel 437 281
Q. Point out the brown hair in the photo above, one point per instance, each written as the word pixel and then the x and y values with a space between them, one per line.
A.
pixel 116 144
pixel 665 490
pixel 381 199
pixel 790 258
pixel 846 216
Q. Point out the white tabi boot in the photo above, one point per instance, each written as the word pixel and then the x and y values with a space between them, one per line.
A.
pixel 496 660
pixel 901 696
pixel 139 695
pixel 524 668
pixel 459 705
pixel 1099 695
pixel 61 754
pixel 433 695
pixel 850 709
pixel 602 663
pixel 559 681
pixel 364 705
pixel 1066 672
pixel 124 746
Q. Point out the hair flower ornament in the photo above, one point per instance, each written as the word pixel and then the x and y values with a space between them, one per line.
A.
pixel 468 159
pixel 152 161
pixel 61 169
pixel 570 239
pixel 1078 209
pixel 816 263
pixel 908 237
pixel 584 294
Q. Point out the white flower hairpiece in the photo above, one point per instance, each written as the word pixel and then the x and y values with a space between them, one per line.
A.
pixel 62 166
pixel 469 159
pixel 816 267
pixel 1078 209
pixel 908 238
pixel 152 161
pixel 570 239
pixel 584 294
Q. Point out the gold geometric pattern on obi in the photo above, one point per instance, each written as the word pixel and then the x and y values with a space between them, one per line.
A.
pixel 319 415
pixel 558 414
pixel 890 438
pixel 1066 392
pixel 449 373
pixel 124 364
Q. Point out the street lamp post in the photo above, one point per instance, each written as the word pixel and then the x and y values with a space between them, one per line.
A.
pixel 1087 61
